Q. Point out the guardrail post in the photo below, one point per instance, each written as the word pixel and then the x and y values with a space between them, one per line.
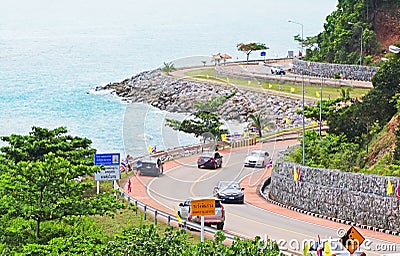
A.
pixel 169 220
pixel 136 206
pixel 122 197
pixel 144 212
pixel 129 200
pixel 155 217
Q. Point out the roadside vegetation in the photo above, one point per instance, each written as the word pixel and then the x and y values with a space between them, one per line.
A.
pixel 364 136
pixel 48 206
pixel 344 28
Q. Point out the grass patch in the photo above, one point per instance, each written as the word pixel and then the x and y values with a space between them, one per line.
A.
pixel 128 218
pixel 295 90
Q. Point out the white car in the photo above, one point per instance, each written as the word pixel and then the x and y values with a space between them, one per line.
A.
pixel 278 70
pixel 257 158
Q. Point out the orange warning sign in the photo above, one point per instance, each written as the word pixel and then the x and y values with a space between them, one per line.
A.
pixel 352 240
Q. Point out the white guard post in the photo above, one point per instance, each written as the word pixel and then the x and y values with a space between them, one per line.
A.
pixel 202 230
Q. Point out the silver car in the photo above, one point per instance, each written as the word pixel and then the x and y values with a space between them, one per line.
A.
pixel 229 191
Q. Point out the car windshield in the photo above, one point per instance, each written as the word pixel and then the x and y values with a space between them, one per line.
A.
pixel 257 153
pixel 228 185
pixel 207 154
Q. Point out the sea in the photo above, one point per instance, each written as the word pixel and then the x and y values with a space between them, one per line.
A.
pixel 53 53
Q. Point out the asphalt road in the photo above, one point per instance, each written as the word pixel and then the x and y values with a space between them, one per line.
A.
pixel 246 220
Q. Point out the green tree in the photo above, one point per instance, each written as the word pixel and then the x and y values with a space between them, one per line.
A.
pixel 308 42
pixel 41 141
pixel 376 108
pixel 332 151
pixel 260 121
pixel 38 183
pixel 341 38
pixel 203 121
pixel 313 111
pixel 212 104
pixel 168 67
pixel 248 48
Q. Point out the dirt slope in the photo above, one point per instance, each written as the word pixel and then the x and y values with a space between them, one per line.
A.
pixel 386 24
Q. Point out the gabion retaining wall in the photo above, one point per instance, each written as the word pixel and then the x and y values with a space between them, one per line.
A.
pixel 353 197
pixel 354 72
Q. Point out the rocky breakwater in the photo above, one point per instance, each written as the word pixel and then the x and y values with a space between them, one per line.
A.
pixel 180 95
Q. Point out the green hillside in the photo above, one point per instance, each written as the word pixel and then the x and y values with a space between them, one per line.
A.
pixel 375 22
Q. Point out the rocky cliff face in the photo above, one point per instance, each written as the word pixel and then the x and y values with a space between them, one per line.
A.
pixel 386 24
pixel 181 95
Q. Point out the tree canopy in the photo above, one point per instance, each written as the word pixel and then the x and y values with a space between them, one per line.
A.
pixel 261 121
pixel 205 121
pixel 38 177
pixel 376 106
pixel 248 48
pixel 353 128
pixel 340 41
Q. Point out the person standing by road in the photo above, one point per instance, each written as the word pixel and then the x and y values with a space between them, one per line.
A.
pixel 129 186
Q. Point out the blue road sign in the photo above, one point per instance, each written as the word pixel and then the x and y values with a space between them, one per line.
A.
pixel 263 53
pixel 107 159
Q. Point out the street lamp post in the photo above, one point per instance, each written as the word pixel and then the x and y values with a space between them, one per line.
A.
pixel 298 23
pixel 361 45
pixel 361 41
pixel 302 88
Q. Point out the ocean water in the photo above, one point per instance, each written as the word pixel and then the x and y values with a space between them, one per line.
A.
pixel 53 53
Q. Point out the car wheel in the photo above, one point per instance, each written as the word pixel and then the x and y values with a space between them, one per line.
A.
pixel 242 202
pixel 198 166
pixel 220 226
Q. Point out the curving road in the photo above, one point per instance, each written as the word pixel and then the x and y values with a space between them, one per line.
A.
pixel 246 220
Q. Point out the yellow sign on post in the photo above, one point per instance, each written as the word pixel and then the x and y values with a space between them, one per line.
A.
pixel 352 240
pixel 203 207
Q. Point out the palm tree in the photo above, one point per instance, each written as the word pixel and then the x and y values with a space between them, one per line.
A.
pixel 168 67
pixel 345 93
pixel 260 121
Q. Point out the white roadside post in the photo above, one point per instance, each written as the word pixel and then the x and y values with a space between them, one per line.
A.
pixel 202 230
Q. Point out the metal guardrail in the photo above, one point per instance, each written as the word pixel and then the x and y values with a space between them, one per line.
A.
pixel 185 224
pixel 169 218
